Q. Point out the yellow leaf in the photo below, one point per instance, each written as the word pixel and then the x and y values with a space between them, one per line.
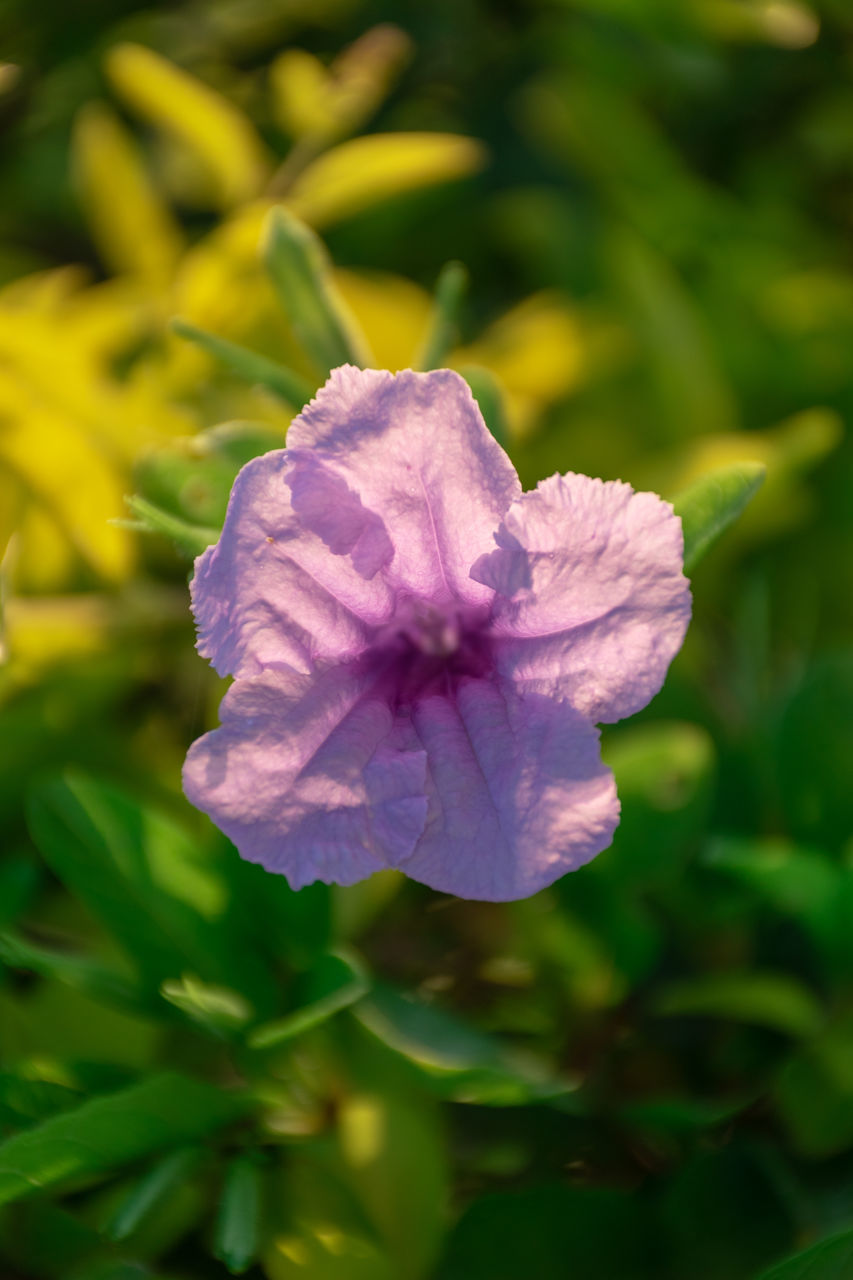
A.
pixel 74 484
pixel 366 171
pixel 315 103
pixel 132 227
pixel 195 115
pixel 301 95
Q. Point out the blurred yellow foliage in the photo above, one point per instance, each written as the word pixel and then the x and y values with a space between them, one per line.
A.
pixel 363 171
pixel 196 116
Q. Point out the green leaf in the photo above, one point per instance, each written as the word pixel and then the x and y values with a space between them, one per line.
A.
pixel 80 972
pixel 711 504
pixel 828 1260
pixel 442 332
pixel 162 895
pixel 161 1112
pixel 254 368
pixel 152 1190
pixel 486 390
pixel 219 1009
pixel 336 981
pixel 238 1224
pixel 460 1063
pixel 300 272
pixel 192 539
pixel 763 999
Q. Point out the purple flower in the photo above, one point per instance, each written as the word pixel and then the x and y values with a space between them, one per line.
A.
pixel 421 650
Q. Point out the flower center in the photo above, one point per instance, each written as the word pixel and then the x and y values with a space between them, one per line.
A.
pixel 426 649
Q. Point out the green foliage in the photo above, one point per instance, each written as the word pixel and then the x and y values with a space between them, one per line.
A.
pixel 645 1073
pixel 163 1111
pixel 710 505
pixel 300 272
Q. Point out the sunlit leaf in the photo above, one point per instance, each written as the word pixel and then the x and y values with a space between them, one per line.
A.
pixel 713 503
pixel 314 103
pixel 218 1008
pixel 163 1111
pixel 201 119
pixel 365 171
pixel 460 1062
pixel 300 271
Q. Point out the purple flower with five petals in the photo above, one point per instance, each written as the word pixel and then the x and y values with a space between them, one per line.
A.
pixel 421 651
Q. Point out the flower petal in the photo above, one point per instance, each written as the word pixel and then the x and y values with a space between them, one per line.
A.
pixel 415 449
pixel 518 792
pixel 594 600
pixel 271 591
pixel 304 777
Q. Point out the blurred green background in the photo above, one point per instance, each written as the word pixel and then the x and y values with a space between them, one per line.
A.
pixel 644 1072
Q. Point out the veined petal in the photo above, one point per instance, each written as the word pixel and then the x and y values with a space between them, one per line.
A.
pixel 517 789
pixel 305 777
pixel 272 592
pixel 593 598
pixel 415 449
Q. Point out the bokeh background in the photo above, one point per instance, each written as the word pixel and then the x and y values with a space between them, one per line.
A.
pixel 647 1070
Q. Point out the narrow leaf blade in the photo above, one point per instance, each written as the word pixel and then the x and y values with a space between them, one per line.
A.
pixel 255 368
pixel 442 332
pixel 237 1233
pixel 299 269
pixel 163 1111
pixel 711 504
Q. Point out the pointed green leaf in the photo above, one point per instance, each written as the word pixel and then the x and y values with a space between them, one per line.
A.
pixel 762 999
pixel 460 1062
pixel 163 1111
pixel 442 332
pixel 711 504
pixel 237 1233
pixel 151 1191
pixel 215 1007
pixel 299 269
pixel 192 539
pixel 76 971
pixel 336 981
pixel 254 368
